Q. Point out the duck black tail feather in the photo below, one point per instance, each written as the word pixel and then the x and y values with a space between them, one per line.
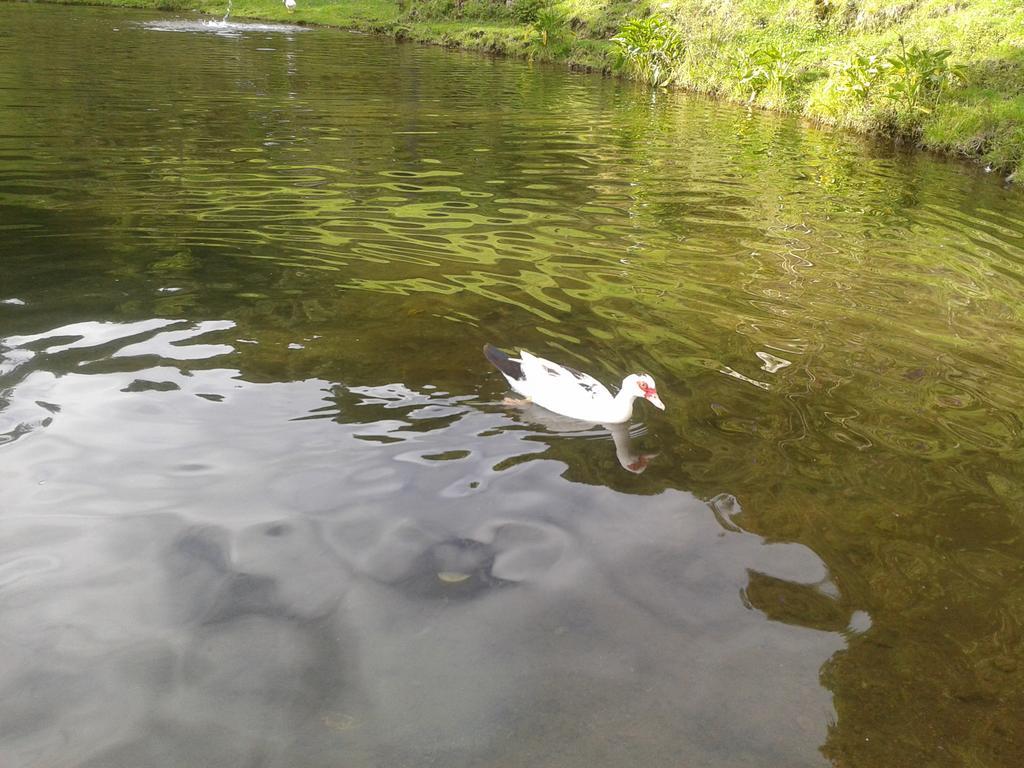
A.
pixel 503 362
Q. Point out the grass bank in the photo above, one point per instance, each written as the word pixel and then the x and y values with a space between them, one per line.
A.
pixel 947 75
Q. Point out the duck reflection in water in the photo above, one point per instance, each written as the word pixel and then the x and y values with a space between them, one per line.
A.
pixel 622 435
pixel 395 412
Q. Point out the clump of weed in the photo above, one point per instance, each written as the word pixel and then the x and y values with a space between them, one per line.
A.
pixel 912 82
pixel 551 33
pixel 649 49
pixel 917 77
pixel 770 72
pixel 859 78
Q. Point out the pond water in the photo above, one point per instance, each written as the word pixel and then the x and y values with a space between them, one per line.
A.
pixel 262 503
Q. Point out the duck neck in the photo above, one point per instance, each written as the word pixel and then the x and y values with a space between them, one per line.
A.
pixel 624 402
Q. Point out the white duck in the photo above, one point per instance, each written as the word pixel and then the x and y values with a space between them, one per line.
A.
pixel 290 5
pixel 570 393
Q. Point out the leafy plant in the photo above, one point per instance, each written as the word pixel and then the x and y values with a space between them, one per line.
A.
pixel 551 31
pixel 650 49
pixel 918 76
pixel 860 77
pixel 770 70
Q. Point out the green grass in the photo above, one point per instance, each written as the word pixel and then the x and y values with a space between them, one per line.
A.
pixel 800 46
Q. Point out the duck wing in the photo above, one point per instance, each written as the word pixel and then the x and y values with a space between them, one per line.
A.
pixel 550 381
pixel 509 366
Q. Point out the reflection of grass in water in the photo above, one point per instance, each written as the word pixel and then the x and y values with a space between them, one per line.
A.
pixel 446 456
pixel 980 119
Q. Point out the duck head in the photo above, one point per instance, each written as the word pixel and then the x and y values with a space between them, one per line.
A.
pixel 642 385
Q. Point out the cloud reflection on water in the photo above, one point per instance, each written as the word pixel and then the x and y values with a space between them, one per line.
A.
pixel 203 562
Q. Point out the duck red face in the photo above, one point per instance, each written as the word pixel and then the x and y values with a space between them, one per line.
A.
pixel 649 392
